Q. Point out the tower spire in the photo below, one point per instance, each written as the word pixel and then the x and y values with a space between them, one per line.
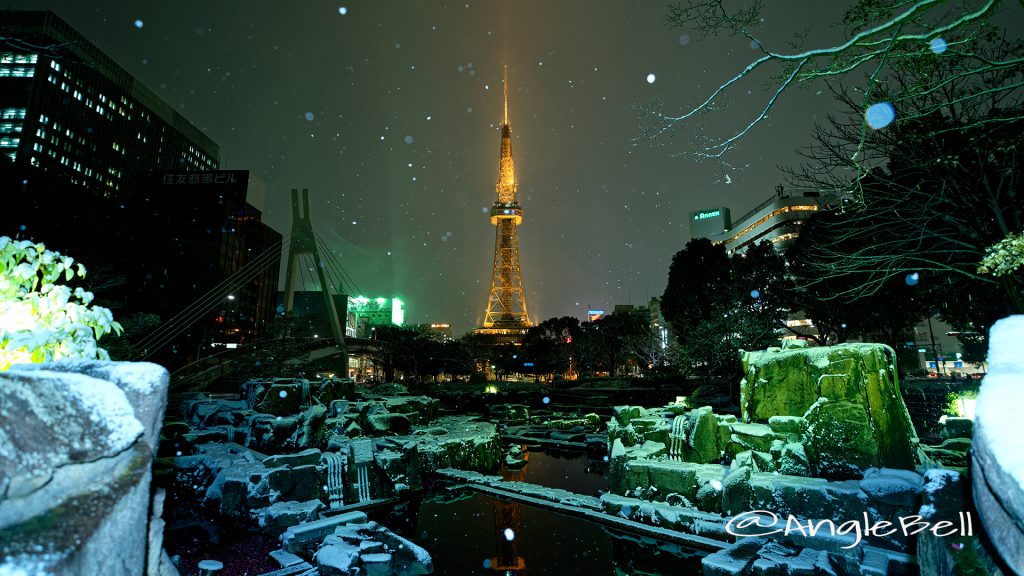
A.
pixel 506 314
pixel 504 121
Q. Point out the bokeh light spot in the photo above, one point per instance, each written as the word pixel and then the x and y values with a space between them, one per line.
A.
pixel 880 115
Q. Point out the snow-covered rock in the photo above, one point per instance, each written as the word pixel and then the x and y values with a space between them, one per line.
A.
pixel 75 467
pixel 998 478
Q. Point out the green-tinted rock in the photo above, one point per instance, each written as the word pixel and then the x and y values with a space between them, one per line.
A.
pixel 788 425
pixel 724 434
pixel 841 442
pixel 753 436
pixel 857 377
pixel 709 498
pixel 704 440
pixel 837 387
pixel 793 460
pixel 652 429
pixel 736 491
pixel 624 414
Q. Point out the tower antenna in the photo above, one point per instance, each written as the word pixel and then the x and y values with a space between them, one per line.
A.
pixel 505 118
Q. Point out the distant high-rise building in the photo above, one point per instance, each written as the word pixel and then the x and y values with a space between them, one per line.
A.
pixel 777 220
pixel 710 222
pixel 366 314
pixel 506 318
pixel 97 166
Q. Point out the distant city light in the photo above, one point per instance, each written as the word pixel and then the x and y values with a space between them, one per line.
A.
pixel 650 78
pixel 138 23
pixel 342 10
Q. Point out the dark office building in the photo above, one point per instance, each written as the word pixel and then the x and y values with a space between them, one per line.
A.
pixel 95 165
pixel 73 114
pixel 198 230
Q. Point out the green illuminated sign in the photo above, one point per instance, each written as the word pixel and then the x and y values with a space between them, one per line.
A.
pixel 707 214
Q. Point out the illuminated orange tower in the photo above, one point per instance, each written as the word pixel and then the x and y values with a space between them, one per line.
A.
pixel 506 306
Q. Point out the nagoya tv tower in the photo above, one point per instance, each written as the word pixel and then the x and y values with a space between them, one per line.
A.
pixel 506 306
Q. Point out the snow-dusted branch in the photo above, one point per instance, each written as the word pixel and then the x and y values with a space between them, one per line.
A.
pixel 912 31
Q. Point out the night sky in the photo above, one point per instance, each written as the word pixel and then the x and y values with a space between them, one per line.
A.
pixel 401 153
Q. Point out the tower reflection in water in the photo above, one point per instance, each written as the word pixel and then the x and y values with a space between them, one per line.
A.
pixel 507 523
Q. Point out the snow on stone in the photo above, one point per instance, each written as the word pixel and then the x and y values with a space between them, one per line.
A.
pixel 140 377
pixel 107 406
pixel 36 565
pixel 997 411
pixel 937 478
pixel 1006 346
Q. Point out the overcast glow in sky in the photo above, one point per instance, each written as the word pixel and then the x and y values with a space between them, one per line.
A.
pixel 388 112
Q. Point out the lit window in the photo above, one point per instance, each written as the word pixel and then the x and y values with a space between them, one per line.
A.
pixel 12 58
pixel 7 70
pixel 12 113
pixel 7 142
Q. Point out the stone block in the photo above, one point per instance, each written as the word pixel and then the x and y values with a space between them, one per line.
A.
pixel 295 537
pixel 862 376
pixel 75 471
pixel 901 488
pixel 736 491
pixel 282 398
pixel 793 460
pixel 301 483
pixel 753 436
pixel 958 428
pixel 841 442
pixel 388 423
pixel 703 441
pixel 279 516
pixel 735 560
pixel 788 425
pixel 306 457
pixel 624 414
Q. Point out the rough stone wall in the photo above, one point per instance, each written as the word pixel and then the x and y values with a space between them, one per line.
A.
pixel 848 393
pixel 77 441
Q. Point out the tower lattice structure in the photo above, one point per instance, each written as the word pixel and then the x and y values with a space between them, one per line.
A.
pixel 506 305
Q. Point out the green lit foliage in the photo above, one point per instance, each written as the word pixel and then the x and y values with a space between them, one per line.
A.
pixel 954 404
pixel 1004 257
pixel 42 319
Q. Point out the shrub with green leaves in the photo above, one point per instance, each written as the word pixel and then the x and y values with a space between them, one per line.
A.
pixel 42 319
pixel 1004 257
